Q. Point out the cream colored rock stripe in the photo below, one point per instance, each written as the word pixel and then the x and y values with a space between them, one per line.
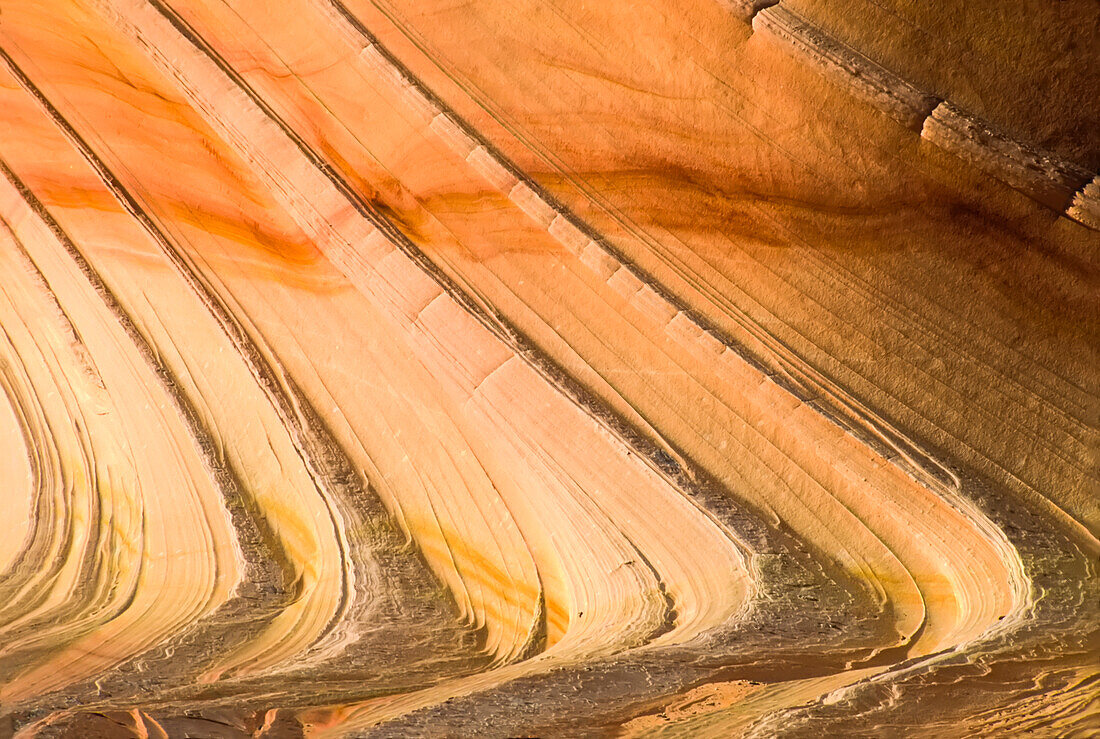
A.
pixel 327 468
pixel 384 266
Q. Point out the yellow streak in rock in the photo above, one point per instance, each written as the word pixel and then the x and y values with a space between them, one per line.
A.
pixel 98 399
pixel 209 370
pixel 444 338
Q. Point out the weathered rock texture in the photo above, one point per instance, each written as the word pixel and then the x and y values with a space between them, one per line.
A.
pixel 563 369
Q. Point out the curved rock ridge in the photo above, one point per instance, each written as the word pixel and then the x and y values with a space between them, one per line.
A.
pixel 526 368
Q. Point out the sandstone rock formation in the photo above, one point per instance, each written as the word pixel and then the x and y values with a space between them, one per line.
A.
pixel 549 368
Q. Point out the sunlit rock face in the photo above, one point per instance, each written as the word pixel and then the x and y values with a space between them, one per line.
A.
pixel 571 368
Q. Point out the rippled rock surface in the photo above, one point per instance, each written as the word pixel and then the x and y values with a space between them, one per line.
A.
pixel 711 368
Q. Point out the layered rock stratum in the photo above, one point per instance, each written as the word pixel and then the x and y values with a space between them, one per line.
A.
pixel 539 368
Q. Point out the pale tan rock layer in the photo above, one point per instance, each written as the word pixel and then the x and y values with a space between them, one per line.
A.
pixel 549 369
